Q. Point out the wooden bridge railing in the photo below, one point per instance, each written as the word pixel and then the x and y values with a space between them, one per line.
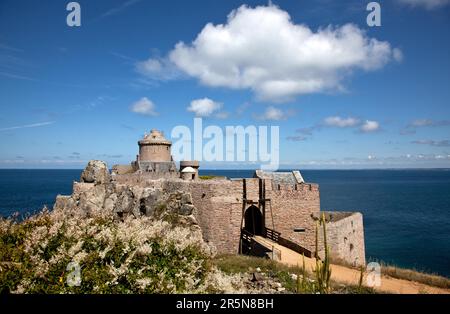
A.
pixel 272 235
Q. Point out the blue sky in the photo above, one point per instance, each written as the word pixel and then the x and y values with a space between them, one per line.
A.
pixel 345 95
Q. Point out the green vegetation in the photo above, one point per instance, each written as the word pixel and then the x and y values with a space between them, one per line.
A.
pixel 236 264
pixel 129 256
pixel 304 282
pixel 295 279
pixel 415 275
pixel 207 177
pixel 147 255
pixel 323 268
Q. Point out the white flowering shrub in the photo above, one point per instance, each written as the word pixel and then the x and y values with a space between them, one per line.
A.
pixel 133 255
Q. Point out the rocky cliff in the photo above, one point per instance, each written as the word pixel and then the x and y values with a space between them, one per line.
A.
pixel 98 191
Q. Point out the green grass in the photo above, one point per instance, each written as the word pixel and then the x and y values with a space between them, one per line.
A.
pixel 233 264
pixel 208 177
pixel 415 275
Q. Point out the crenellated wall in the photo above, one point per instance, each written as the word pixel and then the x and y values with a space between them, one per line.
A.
pixel 293 208
pixel 220 207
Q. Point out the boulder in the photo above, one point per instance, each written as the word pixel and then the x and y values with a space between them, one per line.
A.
pixel 97 172
pixel 63 202
pixel 110 202
pixel 186 198
pixel 125 202
pixel 150 199
pixel 93 199
pixel 186 209
pixel 257 277
pixel 80 188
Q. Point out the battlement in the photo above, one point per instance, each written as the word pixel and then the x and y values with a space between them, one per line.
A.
pixel 226 208
pixel 301 187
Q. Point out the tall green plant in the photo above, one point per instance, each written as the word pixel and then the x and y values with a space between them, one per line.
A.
pixel 323 268
pixel 303 285
pixel 361 277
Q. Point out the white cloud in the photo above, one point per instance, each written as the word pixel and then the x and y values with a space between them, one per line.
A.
pixel 144 106
pixel 339 122
pixel 361 126
pixel 428 4
pixel 261 49
pixel 204 107
pixel 158 69
pixel 370 126
pixel 273 114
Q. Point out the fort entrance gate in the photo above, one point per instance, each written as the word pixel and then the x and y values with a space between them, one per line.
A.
pixel 253 221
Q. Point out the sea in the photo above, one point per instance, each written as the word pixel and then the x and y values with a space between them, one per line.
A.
pixel 406 212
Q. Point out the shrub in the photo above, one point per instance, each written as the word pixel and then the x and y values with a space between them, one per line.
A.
pixel 115 256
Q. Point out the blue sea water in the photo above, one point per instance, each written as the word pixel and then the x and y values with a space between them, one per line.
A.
pixel 406 212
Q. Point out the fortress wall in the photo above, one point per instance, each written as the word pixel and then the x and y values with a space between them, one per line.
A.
pixel 292 208
pixel 218 204
pixel 219 212
pixel 346 239
pixel 252 188
pixel 145 179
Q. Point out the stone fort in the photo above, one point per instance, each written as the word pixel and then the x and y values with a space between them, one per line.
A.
pixel 279 206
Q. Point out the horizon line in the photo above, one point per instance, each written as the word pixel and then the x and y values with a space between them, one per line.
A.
pixel 253 169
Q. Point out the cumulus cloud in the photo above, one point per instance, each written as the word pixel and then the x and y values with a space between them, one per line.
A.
pixel 339 122
pixel 274 114
pixel 366 126
pixel 144 106
pixel 428 4
pixel 263 50
pixel 349 122
pixel 369 126
pixel 204 107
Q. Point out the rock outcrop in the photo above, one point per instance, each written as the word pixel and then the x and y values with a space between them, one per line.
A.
pixel 96 172
pixel 97 191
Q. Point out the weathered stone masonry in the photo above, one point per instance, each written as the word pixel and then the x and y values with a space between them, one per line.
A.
pixel 223 208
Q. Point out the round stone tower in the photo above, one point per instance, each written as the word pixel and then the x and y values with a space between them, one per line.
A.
pixel 155 147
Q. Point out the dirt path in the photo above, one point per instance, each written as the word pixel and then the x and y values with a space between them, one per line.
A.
pixel 347 275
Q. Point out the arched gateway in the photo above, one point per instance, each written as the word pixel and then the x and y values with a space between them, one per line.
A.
pixel 253 220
